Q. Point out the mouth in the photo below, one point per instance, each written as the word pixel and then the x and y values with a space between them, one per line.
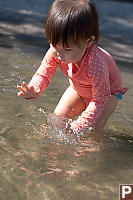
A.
pixel 63 60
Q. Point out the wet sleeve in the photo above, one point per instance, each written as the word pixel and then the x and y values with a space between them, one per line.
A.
pixel 47 69
pixel 99 75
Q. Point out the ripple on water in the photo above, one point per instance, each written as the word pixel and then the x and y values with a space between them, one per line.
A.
pixel 89 139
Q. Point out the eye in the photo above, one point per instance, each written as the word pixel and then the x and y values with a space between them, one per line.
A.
pixel 68 49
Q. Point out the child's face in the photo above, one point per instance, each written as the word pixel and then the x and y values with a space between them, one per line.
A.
pixel 71 54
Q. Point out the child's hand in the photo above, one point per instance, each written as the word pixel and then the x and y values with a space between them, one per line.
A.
pixel 74 127
pixel 28 92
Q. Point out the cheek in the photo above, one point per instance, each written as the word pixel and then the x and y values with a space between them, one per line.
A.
pixel 76 55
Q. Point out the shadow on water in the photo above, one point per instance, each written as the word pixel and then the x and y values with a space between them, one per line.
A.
pixel 123 1
pixel 35 40
pixel 116 46
pixel 23 22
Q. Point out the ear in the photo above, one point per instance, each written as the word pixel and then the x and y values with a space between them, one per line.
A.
pixel 90 41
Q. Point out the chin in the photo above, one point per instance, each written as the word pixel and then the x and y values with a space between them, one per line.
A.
pixel 68 62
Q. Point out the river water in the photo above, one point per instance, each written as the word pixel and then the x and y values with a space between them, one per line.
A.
pixel 37 162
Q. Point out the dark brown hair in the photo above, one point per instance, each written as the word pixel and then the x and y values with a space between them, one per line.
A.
pixel 71 20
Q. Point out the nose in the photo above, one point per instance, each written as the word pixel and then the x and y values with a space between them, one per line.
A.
pixel 61 55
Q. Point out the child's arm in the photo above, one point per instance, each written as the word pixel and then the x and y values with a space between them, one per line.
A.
pixel 41 78
pixel 100 96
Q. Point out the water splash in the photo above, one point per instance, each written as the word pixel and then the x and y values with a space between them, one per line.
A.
pixel 21 80
pixel 42 111
pixel 59 128
pixel 88 139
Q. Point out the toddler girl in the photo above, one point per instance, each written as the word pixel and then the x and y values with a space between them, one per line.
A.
pixel 95 83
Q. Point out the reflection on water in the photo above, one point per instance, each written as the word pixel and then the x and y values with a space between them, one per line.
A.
pixel 38 166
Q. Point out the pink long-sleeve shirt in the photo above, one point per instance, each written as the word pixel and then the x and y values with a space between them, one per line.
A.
pixel 95 80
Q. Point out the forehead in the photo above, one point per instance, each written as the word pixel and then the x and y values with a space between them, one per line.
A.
pixel 70 45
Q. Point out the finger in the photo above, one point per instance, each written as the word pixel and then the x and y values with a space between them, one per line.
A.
pixel 21 89
pixel 20 94
pixel 31 87
pixel 25 85
pixel 18 86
